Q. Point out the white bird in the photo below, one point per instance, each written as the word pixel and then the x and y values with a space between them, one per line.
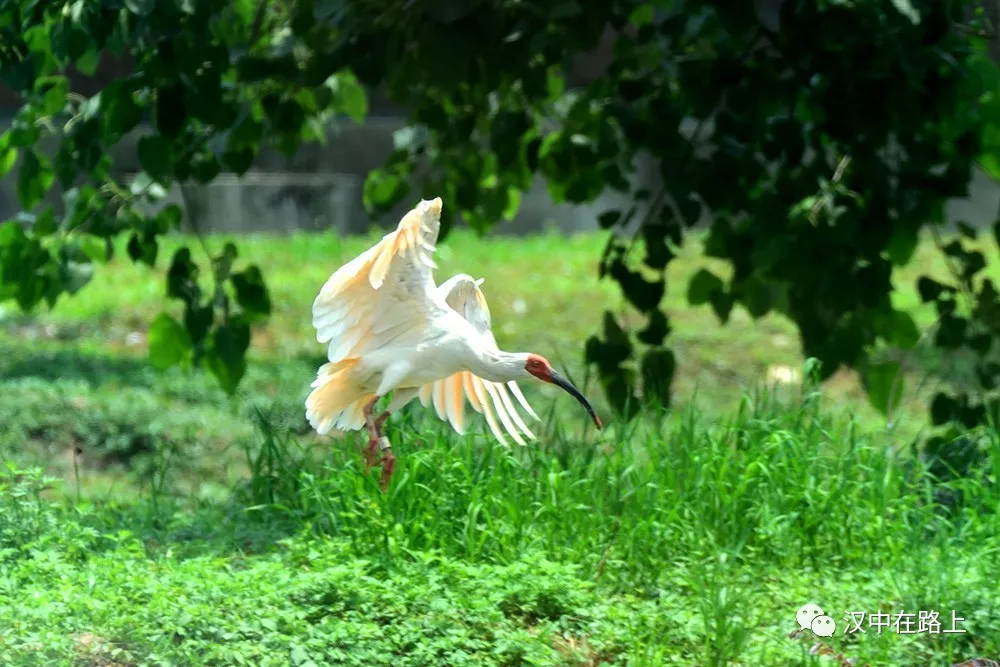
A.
pixel 391 329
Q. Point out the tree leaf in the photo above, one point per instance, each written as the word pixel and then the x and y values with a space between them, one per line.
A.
pixel 140 7
pixel 119 109
pixel 239 161
pixel 169 344
pixel 34 180
pixel 171 114
pixel 383 190
pixel 609 219
pixel 951 332
pixel 929 289
pixel 702 286
pixel 943 409
pixel 226 358
pixel 143 248
pixel 350 97
pixel 156 157
pixel 251 292
pixel 902 245
pixel 222 263
pixel 93 247
pixel 8 156
pixel 899 330
pixel 656 330
pixel 885 384
pixel 88 62
pixel 198 320
pixel 658 367
pixel 182 277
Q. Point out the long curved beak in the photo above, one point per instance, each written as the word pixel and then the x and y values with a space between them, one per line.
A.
pixel 575 393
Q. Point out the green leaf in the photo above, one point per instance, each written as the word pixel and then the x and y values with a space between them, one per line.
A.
pixel 143 249
pixel 140 7
pixel 929 289
pixel 642 15
pixel 119 109
pixel 11 234
pixel 608 219
pixel 884 383
pixel 45 223
pixel 943 409
pixel 658 367
pixel 251 292
pixel 171 114
pixel 54 95
pixel 656 330
pixel 222 263
pixel 144 185
pixel 899 330
pixel 156 157
pixel 93 247
pixel 88 62
pixel 906 8
pixel 198 320
pixel 722 304
pixel 75 275
pixel 902 245
pixel 226 358
pixel 607 354
pixel 349 95
pixel 298 656
pixel 951 332
pixel 169 344
pixel 383 190
pixel 239 161
pixel 967 230
pixel 182 277
pixel 702 286
pixel 8 156
pixel 34 180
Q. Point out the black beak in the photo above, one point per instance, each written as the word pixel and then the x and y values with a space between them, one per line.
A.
pixel 575 393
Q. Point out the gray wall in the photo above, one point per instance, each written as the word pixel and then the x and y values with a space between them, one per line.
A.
pixel 321 188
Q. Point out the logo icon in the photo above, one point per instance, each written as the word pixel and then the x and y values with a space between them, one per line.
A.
pixel 811 617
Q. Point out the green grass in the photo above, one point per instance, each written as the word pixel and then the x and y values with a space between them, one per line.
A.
pixel 694 545
pixel 186 528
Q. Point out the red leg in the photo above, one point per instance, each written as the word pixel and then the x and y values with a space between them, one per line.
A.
pixel 388 465
pixel 387 460
pixel 371 451
pixel 377 442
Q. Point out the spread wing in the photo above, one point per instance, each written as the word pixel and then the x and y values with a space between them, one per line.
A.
pixel 384 295
pixel 491 399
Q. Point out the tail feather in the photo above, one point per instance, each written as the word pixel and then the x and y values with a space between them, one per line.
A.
pixel 336 401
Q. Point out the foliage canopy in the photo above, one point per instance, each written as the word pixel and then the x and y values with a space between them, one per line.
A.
pixel 818 142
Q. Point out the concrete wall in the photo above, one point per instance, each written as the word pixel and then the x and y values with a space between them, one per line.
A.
pixel 321 186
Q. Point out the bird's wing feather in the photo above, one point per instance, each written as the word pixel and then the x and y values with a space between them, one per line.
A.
pixel 384 295
pixel 491 399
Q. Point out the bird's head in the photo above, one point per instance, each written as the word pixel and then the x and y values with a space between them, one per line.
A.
pixel 542 369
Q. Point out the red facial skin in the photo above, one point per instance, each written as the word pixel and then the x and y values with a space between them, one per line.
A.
pixel 538 367
pixel 542 370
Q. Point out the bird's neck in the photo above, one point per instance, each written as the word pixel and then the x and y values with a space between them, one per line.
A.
pixel 497 365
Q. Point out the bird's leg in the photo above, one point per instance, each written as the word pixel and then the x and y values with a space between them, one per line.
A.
pixel 373 433
pixel 387 460
pixel 376 442
pixel 388 465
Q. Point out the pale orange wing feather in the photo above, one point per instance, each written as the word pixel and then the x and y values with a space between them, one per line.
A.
pixel 491 399
pixel 379 296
